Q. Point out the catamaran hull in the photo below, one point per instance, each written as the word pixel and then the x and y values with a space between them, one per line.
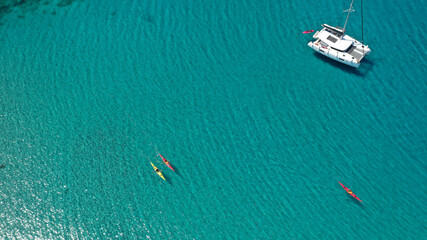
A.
pixel 333 43
pixel 335 55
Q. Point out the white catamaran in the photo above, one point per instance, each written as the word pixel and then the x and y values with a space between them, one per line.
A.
pixel 334 43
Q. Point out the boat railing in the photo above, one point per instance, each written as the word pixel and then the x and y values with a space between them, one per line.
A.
pixel 315 35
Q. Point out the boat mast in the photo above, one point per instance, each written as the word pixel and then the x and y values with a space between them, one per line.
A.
pixel 351 9
pixel 361 11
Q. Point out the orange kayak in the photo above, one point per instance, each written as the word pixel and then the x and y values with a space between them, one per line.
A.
pixel 348 190
pixel 166 162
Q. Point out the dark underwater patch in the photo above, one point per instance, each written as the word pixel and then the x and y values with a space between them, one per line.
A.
pixel 7 6
pixel 64 3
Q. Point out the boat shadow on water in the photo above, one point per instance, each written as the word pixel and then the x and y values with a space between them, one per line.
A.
pixel 357 202
pixel 363 69
pixel 169 175
pixel 169 182
pixel 177 172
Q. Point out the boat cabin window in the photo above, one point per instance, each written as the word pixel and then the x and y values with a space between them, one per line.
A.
pixel 333 32
pixel 332 39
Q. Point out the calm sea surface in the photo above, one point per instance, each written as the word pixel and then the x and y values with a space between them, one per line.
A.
pixel 258 127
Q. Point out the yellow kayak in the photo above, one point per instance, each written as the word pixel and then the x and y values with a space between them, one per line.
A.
pixel 158 171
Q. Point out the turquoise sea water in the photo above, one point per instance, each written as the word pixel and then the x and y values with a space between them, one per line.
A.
pixel 258 127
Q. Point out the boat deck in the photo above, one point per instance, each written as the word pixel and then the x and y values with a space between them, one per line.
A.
pixel 355 53
pixel 335 33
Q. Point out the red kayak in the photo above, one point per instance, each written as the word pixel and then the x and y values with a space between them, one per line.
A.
pixel 349 191
pixel 166 162
pixel 308 31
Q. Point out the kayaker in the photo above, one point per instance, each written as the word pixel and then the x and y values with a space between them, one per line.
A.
pixel 158 170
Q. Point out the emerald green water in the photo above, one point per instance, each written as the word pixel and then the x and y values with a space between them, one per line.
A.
pixel 258 127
